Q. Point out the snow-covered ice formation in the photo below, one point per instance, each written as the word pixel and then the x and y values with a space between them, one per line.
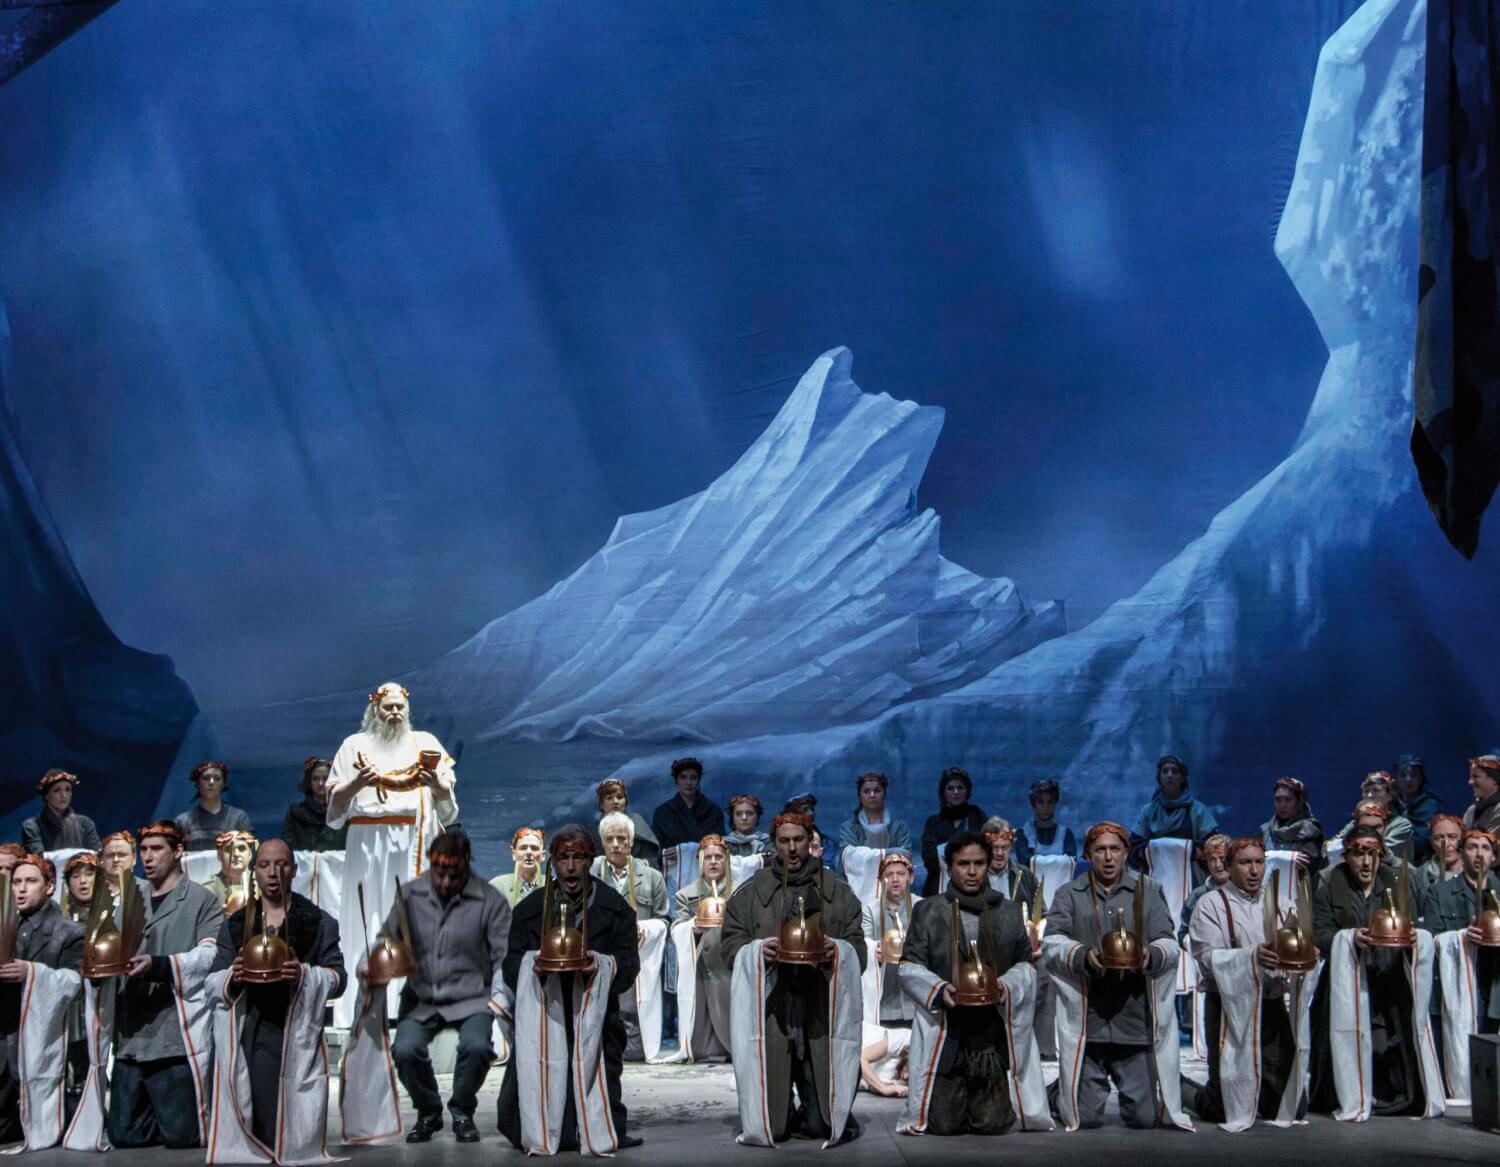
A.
pixel 803 588
pixel 1320 624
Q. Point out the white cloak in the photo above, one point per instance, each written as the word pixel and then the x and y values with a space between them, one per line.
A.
pixel 1457 974
pixel 1349 1027
pixel 369 1107
pixel 1237 973
pixel 302 1126
pixel 543 1068
pixel 749 992
pixel 1170 862
pixel 648 986
pixel 1028 1093
pixel 42 1053
pixel 1072 1030
pixel 87 1131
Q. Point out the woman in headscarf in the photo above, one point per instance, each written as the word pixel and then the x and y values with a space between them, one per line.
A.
pixel 955 813
pixel 58 827
pixel 1172 813
pixel 1292 826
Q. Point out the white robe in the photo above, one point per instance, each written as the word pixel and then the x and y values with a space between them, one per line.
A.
pixel 648 985
pixel 1170 862
pixel 543 1068
pixel 1028 1093
pixel 1072 1029
pixel 1457 973
pixel 387 840
pixel 42 1053
pixel 862 870
pixel 749 992
pixel 1349 1027
pixel 302 1126
pixel 1238 975
pixel 369 1106
pixel 685 941
pixel 87 1131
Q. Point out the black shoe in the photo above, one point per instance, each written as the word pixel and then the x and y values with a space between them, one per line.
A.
pixel 628 1141
pixel 464 1130
pixel 427 1126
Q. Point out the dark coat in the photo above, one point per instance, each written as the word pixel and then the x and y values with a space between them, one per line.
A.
pixel 306 828
pixel 611 932
pixel 44 937
pixel 39 834
pixel 676 822
pixel 314 938
pixel 1004 945
pixel 756 911
pixel 937 830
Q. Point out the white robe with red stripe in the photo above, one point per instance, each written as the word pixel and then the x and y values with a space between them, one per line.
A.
pixel 42 1052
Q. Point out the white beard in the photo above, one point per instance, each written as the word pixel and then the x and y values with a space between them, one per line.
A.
pixel 384 732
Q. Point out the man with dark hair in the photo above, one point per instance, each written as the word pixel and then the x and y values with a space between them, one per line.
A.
pixel 578 1010
pixel 962 1052
pixel 1380 1064
pixel 1114 1025
pixel 162 1041
pixel 460 928
pixel 58 827
pixel 795 1028
pixel 37 988
pixel 276 1026
pixel 688 815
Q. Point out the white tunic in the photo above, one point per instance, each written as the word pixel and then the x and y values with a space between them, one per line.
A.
pixel 1245 927
pixel 388 838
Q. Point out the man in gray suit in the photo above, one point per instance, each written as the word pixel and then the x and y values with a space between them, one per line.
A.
pixel 155 1092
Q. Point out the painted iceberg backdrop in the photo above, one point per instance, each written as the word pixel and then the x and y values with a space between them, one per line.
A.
pixel 1251 652
pixel 803 588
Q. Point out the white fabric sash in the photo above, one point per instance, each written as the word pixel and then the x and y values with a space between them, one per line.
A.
pixel 1237 973
pixel 195 1017
pixel 862 870
pixel 320 877
pixel 648 986
pixel 543 1069
pixel 749 992
pixel 1072 1030
pixel 1170 862
pixel 42 1053
pixel 1286 863
pixel 1456 974
pixel 302 1105
pixel 1349 1028
pixel 687 991
pixel 369 1107
pixel 1052 872
pixel 88 1130
pixel 1028 1092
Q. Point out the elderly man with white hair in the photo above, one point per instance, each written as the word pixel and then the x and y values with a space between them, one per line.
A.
pixel 392 786
pixel 645 890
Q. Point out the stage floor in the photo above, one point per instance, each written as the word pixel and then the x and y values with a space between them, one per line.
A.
pixel 687 1114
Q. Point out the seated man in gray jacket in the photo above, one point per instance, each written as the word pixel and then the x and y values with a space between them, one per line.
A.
pixel 163 1052
pixel 460 927
pixel 645 890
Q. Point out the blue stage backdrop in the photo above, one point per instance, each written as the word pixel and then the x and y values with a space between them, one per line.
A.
pixel 811 388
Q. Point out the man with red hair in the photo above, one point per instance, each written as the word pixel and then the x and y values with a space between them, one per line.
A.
pixel 1483 813
pixel 1468 971
pixel 795 1027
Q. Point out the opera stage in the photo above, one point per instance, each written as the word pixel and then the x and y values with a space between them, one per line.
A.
pixel 686 1114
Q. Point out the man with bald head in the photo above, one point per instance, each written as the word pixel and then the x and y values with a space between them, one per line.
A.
pixel 268 1021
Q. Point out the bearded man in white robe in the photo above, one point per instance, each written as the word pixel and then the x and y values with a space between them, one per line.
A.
pixel 393 787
